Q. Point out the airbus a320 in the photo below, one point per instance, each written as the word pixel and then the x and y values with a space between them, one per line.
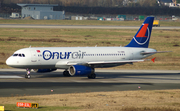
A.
pixel 80 61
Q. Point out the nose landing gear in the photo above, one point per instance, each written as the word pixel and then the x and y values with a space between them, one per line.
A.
pixel 28 76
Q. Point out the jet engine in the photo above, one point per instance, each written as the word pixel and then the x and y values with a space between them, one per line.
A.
pixel 80 70
pixel 44 70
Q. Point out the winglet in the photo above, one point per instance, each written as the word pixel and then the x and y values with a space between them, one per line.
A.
pixel 153 59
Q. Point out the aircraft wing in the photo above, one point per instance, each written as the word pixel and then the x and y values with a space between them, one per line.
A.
pixel 114 62
pixel 105 62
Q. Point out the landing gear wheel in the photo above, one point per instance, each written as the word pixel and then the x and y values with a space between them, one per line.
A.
pixel 28 71
pixel 66 74
pixel 28 76
pixel 91 76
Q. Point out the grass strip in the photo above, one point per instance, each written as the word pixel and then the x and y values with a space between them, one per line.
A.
pixel 84 22
pixel 140 100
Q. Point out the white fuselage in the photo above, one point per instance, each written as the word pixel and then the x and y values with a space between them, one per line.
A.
pixel 60 57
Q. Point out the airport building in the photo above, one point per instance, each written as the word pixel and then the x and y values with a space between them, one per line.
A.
pixel 41 11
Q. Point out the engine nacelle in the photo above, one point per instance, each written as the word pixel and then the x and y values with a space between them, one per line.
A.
pixel 44 70
pixel 80 70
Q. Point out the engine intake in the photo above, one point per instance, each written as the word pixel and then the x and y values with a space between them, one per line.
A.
pixel 80 70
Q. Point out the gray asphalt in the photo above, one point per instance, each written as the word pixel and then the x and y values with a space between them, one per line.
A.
pixel 78 26
pixel 13 83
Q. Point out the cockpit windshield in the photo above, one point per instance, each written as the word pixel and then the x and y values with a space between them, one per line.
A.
pixel 18 55
pixel 15 54
pixel 23 55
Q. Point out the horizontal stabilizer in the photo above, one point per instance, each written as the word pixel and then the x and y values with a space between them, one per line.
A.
pixel 145 53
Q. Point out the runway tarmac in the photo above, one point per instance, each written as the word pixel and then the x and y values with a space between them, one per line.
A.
pixel 13 83
pixel 78 26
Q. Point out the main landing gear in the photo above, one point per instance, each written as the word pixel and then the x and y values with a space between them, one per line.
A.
pixel 91 76
pixel 28 76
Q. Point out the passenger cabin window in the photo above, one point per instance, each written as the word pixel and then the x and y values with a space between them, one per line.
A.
pixel 103 54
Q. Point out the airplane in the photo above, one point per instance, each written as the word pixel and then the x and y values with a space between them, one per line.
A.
pixel 81 61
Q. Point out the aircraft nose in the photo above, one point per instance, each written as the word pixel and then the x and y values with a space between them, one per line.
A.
pixel 8 61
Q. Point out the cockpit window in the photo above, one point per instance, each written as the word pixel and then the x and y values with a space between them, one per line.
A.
pixel 19 55
pixel 23 55
pixel 15 55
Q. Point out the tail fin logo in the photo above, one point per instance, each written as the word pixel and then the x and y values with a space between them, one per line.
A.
pixel 143 35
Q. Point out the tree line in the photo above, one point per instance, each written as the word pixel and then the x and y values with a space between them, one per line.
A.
pixel 122 10
pixel 94 7
pixel 88 3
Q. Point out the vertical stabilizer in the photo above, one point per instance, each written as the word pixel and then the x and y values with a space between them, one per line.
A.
pixel 142 37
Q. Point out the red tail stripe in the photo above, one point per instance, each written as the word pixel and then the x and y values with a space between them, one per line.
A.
pixel 143 30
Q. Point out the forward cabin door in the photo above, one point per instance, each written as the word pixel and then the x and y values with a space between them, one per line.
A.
pixel 33 56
